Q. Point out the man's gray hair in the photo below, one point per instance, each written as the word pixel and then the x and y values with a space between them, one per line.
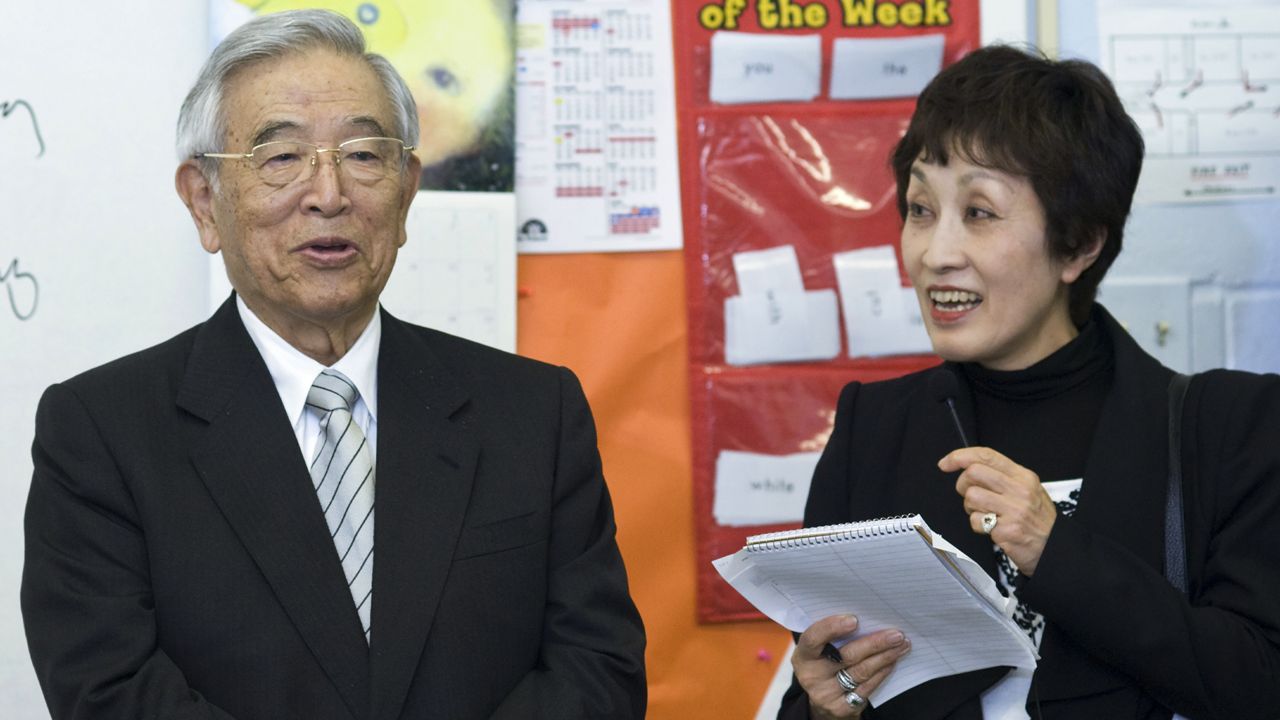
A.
pixel 202 122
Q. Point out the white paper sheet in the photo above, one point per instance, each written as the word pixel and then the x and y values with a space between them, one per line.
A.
pixel 866 68
pixel 759 271
pixel 752 67
pixel 457 271
pixel 757 489
pixel 881 317
pixel 887 580
pixel 781 326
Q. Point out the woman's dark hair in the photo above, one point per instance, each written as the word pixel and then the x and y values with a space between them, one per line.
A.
pixel 1057 123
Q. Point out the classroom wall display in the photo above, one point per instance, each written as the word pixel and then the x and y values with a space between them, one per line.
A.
pixel 788 112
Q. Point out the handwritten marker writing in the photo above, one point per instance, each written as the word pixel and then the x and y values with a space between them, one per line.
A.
pixel 8 107
pixel 23 290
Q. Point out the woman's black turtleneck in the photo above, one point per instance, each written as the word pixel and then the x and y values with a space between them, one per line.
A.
pixel 1044 417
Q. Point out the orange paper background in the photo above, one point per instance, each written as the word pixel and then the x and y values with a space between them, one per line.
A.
pixel 618 321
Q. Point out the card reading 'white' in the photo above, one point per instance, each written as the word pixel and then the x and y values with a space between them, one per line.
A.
pixel 758 489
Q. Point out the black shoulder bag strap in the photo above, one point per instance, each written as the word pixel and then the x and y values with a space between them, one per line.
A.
pixel 1175 539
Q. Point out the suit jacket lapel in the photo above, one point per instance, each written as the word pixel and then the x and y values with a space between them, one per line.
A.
pixel 1123 491
pixel 1122 496
pixel 426 465
pixel 249 461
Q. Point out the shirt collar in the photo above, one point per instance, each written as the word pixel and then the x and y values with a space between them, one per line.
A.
pixel 293 372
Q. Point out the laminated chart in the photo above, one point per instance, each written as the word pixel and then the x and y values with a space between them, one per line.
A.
pixel 1204 87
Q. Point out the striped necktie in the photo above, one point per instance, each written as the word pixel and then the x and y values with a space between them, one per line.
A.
pixel 342 472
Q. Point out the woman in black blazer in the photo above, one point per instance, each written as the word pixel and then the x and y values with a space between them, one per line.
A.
pixel 1015 178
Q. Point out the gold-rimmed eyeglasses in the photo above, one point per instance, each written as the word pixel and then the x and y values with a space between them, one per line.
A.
pixel 280 162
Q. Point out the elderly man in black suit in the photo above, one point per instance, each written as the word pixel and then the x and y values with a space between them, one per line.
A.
pixel 304 507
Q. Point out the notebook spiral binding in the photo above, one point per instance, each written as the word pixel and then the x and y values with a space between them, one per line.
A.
pixel 824 534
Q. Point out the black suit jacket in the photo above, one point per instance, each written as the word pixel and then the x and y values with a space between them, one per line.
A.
pixel 1119 642
pixel 178 564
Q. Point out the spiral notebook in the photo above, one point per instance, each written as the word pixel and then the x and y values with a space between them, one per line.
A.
pixel 890 573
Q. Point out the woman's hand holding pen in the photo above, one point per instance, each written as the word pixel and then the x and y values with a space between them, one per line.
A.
pixel 866 662
pixel 1018 513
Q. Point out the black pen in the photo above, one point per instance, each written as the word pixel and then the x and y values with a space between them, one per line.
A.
pixel 830 652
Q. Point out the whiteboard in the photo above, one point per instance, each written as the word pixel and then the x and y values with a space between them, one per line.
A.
pixel 89 219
